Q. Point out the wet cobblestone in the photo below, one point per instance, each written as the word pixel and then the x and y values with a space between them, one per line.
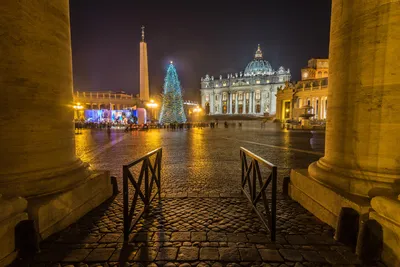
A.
pixel 201 219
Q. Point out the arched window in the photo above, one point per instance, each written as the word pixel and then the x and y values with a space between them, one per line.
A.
pixel 319 74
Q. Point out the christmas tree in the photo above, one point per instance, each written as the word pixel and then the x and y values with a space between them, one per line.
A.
pixel 172 106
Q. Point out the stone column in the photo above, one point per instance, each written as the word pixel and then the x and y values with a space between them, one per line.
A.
pixel 251 103
pixel 254 102
pixel 360 133
pixel 236 102
pixel 262 95
pixel 212 96
pixel 230 102
pixel 220 103
pixel 244 102
pixel 38 140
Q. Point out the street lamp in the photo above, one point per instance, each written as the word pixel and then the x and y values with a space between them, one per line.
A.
pixel 197 110
pixel 77 108
pixel 152 106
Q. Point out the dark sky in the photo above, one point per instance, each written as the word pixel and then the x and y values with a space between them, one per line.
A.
pixel 214 37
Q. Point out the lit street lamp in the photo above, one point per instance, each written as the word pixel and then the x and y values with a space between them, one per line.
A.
pixel 77 108
pixel 152 106
pixel 197 111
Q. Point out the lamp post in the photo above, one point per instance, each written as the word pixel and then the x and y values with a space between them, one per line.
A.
pixel 77 108
pixel 152 106
pixel 197 110
pixel 78 125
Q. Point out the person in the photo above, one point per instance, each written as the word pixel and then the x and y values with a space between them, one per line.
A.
pixel 226 124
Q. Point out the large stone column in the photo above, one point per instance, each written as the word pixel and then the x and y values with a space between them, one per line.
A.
pixel 244 102
pixel 236 102
pixel 37 138
pixel 363 124
pixel 230 102
pixel 212 105
pixel 362 135
pixel 220 103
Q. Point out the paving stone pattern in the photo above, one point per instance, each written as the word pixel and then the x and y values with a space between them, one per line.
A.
pixel 201 219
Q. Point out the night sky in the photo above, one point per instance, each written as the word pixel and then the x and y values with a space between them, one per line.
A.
pixel 214 37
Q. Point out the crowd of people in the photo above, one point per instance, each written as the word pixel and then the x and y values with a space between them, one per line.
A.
pixel 79 125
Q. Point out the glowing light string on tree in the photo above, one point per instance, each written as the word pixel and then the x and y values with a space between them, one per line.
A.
pixel 172 107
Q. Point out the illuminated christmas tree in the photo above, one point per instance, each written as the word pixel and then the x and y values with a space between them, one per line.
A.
pixel 172 107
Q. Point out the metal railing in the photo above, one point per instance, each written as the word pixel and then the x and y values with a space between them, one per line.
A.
pixel 251 174
pixel 150 174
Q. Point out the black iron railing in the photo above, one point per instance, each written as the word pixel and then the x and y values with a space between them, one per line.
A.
pixel 251 175
pixel 150 174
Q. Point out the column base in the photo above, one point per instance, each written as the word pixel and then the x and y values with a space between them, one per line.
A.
pixel 387 214
pixel 12 213
pixel 53 213
pixel 324 201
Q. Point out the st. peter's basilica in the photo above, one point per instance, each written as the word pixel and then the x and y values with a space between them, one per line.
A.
pixel 252 91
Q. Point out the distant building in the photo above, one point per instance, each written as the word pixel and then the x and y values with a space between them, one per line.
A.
pixel 249 92
pixel 312 91
pixel 103 105
pixel 316 69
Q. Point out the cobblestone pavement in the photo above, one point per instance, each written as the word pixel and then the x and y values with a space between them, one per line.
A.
pixel 201 219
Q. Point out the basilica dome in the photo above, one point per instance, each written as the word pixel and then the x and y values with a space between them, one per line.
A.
pixel 258 66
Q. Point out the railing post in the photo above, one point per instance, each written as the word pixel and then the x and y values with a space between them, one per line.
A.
pixel 242 159
pixel 254 195
pixel 159 172
pixel 125 199
pixel 273 204
pixel 146 180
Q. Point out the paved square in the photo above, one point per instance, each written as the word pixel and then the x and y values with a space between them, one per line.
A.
pixel 202 219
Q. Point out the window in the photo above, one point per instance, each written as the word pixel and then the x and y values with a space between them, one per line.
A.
pixel 258 95
pixel 281 78
pixel 216 97
pixel 257 82
pixel 207 98
pixel 224 97
pixel 247 95
pixel 240 96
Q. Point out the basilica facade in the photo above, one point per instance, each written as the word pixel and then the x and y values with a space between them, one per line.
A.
pixel 252 91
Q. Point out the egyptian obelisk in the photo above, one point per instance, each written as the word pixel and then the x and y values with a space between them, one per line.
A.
pixel 144 70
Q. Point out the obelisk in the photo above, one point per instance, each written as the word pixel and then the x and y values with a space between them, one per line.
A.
pixel 144 70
